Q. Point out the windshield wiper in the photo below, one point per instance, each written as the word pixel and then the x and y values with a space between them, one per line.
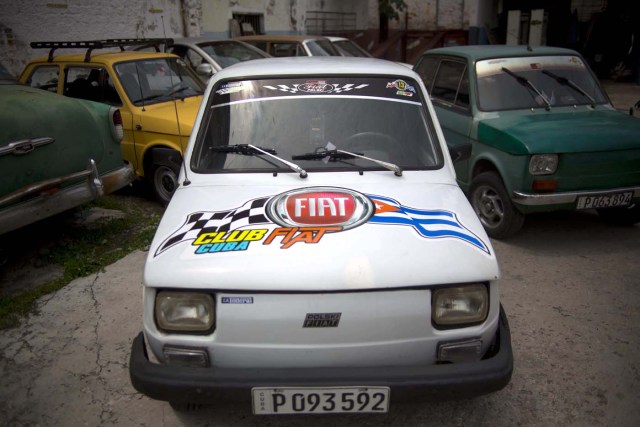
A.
pixel 526 82
pixel 168 94
pixel 323 153
pixel 246 149
pixel 566 82
pixel 250 150
pixel 336 154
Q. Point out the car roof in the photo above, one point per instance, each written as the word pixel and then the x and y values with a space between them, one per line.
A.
pixel 335 38
pixel 194 41
pixel 315 65
pixel 479 52
pixel 281 38
pixel 104 57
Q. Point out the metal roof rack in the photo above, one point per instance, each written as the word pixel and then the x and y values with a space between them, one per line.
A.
pixel 100 44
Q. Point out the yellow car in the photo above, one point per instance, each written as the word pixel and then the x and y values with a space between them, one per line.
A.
pixel 157 93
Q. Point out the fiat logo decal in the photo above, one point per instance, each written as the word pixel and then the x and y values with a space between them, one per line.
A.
pixel 320 207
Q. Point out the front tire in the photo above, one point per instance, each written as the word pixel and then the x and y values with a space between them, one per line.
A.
pixel 493 206
pixel 164 182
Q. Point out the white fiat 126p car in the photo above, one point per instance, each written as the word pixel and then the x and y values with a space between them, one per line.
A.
pixel 318 255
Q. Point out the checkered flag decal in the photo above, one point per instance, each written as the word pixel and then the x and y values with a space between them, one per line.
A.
pixel 251 213
pixel 336 88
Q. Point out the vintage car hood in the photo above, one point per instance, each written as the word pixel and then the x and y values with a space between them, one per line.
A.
pixel 21 120
pixel 161 118
pixel 561 131
pixel 417 236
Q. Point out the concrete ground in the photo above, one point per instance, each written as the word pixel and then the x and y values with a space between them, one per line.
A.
pixel 570 287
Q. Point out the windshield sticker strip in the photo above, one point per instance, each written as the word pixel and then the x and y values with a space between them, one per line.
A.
pixel 316 87
pixel 233 91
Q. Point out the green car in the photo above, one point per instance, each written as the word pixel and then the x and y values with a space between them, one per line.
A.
pixel 542 133
pixel 56 153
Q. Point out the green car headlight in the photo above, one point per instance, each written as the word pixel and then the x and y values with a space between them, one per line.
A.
pixel 543 164
pixel 460 305
pixel 184 311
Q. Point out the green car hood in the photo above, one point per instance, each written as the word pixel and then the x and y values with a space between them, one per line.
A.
pixel 555 131
pixel 80 130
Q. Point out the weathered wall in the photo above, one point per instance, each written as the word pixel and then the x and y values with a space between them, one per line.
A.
pixel 25 21
pixel 431 15
pixel 280 16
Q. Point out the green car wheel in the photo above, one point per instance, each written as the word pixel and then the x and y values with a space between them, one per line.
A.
pixel 493 206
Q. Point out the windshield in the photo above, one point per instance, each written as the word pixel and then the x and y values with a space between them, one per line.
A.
pixel 150 81
pixel 321 48
pixel 380 118
pixel 349 48
pixel 226 54
pixel 513 83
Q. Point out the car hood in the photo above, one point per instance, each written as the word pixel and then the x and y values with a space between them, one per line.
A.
pixel 423 234
pixel 77 131
pixel 161 118
pixel 561 131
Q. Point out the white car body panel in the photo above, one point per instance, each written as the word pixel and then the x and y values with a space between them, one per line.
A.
pixel 295 300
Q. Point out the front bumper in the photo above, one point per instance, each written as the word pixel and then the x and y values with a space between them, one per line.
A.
pixel 564 198
pixel 207 385
pixel 45 200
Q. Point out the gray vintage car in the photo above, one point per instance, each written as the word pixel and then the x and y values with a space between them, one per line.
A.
pixel 55 153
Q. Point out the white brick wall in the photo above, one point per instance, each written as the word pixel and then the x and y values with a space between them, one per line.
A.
pixel 25 21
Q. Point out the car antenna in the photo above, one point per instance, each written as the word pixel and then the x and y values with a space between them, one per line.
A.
pixel 175 108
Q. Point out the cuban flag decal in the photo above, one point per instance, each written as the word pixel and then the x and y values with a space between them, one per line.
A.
pixel 431 224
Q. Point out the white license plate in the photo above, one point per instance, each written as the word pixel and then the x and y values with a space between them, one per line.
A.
pixel 605 201
pixel 319 400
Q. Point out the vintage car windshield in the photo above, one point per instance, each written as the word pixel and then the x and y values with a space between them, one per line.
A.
pixel 514 83
pixel 349 48
pixel 150 81
pixel 321 47
pixel 296 119
pixel 226 54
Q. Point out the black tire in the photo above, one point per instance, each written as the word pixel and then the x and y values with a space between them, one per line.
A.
pixel 163 180
pixel 184 407
pixel 493 206
pixel 627 215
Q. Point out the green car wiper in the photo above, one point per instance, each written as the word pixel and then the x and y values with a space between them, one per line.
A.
pixel 566 82
pixel 527 83
pixel 250 150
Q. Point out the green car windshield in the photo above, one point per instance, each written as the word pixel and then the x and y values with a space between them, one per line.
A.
pixel 535 82
pixel 299 119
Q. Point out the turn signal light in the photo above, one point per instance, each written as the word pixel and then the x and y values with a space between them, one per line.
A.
pixel 547 185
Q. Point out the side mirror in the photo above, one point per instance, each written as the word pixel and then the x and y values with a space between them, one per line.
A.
pixel 460 152
pixel 205 69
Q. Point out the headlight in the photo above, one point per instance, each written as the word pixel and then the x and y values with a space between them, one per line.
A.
pixel 460 305
pixel 543 164
pixel 184 311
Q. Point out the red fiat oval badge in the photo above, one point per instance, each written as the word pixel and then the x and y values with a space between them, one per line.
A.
pixel 320 206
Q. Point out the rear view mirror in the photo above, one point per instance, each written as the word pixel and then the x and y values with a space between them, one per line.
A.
pixel 205 69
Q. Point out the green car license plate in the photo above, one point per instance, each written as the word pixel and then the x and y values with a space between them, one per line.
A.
pixel 605 200
pixel 319 400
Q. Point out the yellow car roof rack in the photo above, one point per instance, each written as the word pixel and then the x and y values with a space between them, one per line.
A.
pixel 100 44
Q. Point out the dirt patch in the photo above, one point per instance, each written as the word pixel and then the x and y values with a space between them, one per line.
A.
pixel 31 256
